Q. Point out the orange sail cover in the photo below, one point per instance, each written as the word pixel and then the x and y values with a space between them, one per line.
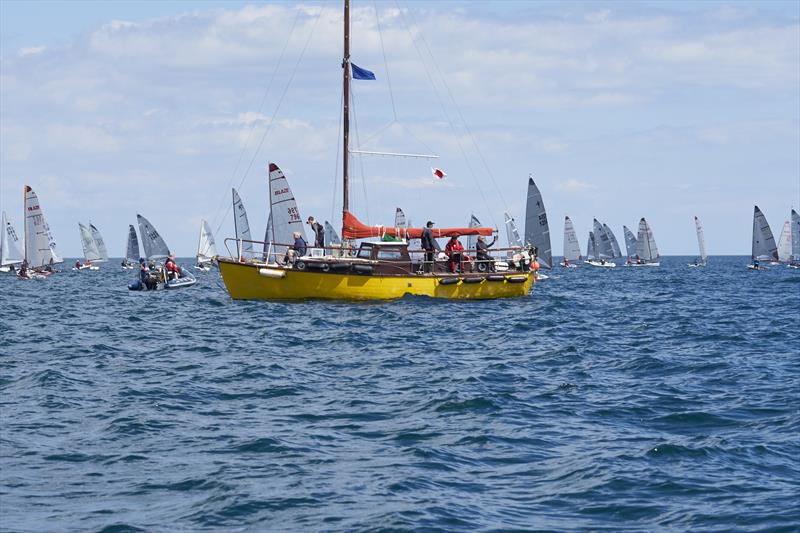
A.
pixel 352 228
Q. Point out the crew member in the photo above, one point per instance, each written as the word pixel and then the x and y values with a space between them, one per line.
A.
pixel 319 232
pixel 455 251
pixel 427 244
pixel 482 250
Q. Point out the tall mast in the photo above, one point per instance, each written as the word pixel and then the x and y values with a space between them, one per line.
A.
pixel 346 112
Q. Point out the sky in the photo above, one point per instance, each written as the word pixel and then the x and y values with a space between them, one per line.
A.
pixel 618 110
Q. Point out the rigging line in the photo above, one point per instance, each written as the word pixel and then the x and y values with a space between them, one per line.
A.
pixel 360 159
pixel 260 107
pixel 461 115
pixel 447 116
pixel 378 132
pixel 336 161
pixel 275 113
pixel 385 62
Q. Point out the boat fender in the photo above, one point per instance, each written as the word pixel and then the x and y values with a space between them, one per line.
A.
pixel 135 285
pixel 448 281
pixel 271 273
pixel 473 280
pixel 364 269
pixel 338 265
pixel 516 279
pixel 496 277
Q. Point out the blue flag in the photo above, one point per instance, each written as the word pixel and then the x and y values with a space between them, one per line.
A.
pixel 362 73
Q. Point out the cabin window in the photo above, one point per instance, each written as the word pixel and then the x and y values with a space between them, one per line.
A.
pixel 365 252
pixel 390 255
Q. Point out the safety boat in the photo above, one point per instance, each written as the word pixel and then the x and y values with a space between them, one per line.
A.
pixel 372 270
pixel 156 249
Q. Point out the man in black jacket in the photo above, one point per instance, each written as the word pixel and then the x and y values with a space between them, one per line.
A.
pixel 319 232
pixel 482 253
pixel 428 246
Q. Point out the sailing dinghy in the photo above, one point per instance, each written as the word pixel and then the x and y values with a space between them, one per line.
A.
pixel 155 249
pixel 763 246
pixel 785 243
pixel 131 250
pixel 646 249
pixel 630 243
pixel 572 248
pixel 537 230
pixel 603 251
pixel 40 247
pixel 701 245
pixel 206 248
pixel 90 250
pixel 10 252
pixel 794 262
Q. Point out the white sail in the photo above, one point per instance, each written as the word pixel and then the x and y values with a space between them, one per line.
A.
pixel 98 240
pixel 284 214
pixel 206 248
pixel 40 247
pixel 701 240
pixel 132 248
pixel 572 249
pixel 602 242
pixel 646 248
pixel 472 239
pixel 591 248
pixel 10 252
pixel 242 227
pixel 785 242
pixel 613 240
pixel 513 234
pixel 90 251
pixel 331 237
pixel 154 246
pixel 795 236
pixel 630 241
pixel 537 230
pixel 399 218
pixel 763 242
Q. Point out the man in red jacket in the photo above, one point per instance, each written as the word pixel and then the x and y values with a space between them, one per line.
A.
pixel 455 251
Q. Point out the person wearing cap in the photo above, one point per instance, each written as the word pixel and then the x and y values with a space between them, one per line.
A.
pixel 482 249
pixel 455 251
pixel 426 241
pixel 319 232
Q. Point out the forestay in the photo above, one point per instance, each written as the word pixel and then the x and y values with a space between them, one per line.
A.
pixel 537 230
pixel 701 240
pixel 10 252
pixel 132 249
pixel 646 248
pixel 613 239
pixel 206 247
pixel 244 243
pixel 513 234
pixel 98 241
pixel 602 242
pixel 572 249
pixel 763 241
pixel 785 242
pixel 90 251
pixel 154 246
pixel 40 247
pixel 284 214
pixel 630 241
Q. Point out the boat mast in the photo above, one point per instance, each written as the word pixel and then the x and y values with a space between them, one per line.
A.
pixel 346 113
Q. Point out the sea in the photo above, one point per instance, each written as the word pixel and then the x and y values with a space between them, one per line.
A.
pixel 626 399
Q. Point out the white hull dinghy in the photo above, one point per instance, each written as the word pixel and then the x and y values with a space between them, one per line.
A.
pixel 763 248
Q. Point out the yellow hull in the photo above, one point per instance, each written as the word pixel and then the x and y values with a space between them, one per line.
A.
pixel 245 282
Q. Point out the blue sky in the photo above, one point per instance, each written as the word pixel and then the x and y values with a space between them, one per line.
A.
pixel 618 109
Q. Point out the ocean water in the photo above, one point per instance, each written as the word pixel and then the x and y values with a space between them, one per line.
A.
pixel 620 400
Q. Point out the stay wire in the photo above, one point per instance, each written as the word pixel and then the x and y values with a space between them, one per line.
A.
pixel 385 62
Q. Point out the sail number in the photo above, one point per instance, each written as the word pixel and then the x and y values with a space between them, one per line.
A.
pixel 294 215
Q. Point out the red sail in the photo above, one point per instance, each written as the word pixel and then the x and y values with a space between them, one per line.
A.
pixel 352 228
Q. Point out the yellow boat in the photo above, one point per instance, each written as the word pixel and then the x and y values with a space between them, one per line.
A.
pixel 377 270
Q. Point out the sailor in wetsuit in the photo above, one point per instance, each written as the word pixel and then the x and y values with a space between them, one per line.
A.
pixel 319 232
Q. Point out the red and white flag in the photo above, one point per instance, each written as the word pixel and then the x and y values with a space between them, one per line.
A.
pixel 438 173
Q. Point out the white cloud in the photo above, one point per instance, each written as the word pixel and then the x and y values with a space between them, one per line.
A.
pixel 30 51
pixel 574 185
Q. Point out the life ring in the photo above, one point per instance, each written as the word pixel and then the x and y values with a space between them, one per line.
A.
pixel 300 265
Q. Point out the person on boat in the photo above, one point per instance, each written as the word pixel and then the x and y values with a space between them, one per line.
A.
pixel 78 263
pixel 173 272
pixel 455 251
pixel 298 249
pixel 566 262
pixel 319 232
pixel 756 264
pixel 49 266
pixel 482 250
pixel 426 241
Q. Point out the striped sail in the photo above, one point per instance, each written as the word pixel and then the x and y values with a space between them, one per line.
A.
pixel 572 249
pixel 613 239
pixel 646 248
pixel 701 240
pixel 98 241
pixel 630 242
pixel 399 218
pixel 602 242
pixel 132 247
pixel 513 234
pixel 764 247
pixel 795 236
pixel 40 247
pixel 537 230
pixel 785 242
pixel 206 247
pixel 242 228
pixel 10 252
pixel 284 214
pixel 154 246
pixel 90 251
